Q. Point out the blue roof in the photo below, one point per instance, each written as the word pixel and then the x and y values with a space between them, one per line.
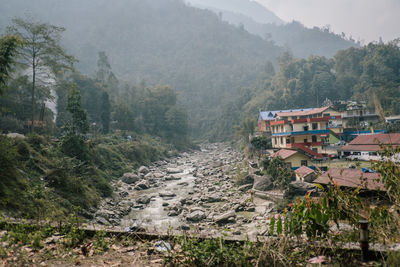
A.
pixel 270 115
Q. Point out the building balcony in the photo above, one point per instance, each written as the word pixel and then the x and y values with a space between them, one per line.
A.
pixel 311 132
pixel 308 144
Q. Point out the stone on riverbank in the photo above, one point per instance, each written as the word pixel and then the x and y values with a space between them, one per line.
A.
pixel 130 178
pixel 144 170
pixel 196 216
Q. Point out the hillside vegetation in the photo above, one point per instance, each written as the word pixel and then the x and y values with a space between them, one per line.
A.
pixel 166 42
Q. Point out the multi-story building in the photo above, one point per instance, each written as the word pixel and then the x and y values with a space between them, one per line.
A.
pixel 308 130
pixel 265 117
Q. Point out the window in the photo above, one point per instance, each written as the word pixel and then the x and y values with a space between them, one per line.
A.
pixel 314 138
pixel 289 164
pixel 281 140
pixel 304 163
pixel 315 149
pixel 305 140
pixel 291 127
pixel 275 141
pixel 315 126
pixel 327 115
pixel 287 140
pixel 305 128
pixel 294 117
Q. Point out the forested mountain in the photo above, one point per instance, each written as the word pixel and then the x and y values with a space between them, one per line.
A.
pixel 300 40
pixel 154 41
pixel 354 73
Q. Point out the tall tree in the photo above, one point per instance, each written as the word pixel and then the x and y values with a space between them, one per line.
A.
pixel 105 76
pixel 73 142
pixel 41 52
pixel 8 49
pixel 105 112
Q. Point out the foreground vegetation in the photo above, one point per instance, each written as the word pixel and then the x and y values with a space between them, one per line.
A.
pixel 39 181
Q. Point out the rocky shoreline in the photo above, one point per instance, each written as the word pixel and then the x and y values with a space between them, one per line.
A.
pixel 195 192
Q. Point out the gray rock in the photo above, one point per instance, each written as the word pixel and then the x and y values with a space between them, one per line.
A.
pixel 143 200
pixel 184 227
pixel 142 185
pixel 167 194
pixel 212 198
pixel 249 179
pixel 299 188
pixel 174 213
pixel 149 176
pixel 173 170
pixel 196 216
pixel 225 218
pixel 144 170
pixel 130 178
pixel 263 183
pixel 172 178
pixel 101 220
pixel 245 187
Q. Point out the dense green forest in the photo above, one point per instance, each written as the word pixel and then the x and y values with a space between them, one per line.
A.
pixel 154 42
pixel 204 58
pixel 354 73
pixel 99 129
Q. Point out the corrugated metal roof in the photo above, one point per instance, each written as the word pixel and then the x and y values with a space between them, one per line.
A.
pixel 304 171
pixel 284 153
pixel 371 142
pixel 376 139
pixel 270 114
pixel 351 178
pixel 302 113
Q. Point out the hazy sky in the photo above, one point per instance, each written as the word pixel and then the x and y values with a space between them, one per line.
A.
pixel 366 20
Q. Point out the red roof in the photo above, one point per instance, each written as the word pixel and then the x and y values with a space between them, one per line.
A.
pixel 304 171
pixel 371 142
pixel 284 153
pixel 374 139
pixel 302 113
pixel 351 178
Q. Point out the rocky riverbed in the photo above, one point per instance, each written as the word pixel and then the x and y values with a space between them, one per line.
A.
pixel 193 192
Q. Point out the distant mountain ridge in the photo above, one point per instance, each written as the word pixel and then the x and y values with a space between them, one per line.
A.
pixel 252 9
pixel 300 40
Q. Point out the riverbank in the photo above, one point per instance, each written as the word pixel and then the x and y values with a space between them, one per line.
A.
pixel 194 192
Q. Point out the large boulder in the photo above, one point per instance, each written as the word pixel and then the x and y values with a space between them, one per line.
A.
pixel 196 216
pixel 263 183
pixel 130 178
pixel 216 197
pixel 144 170
pixel 143 199
pixel 142 185
pixel 249 179
pixel 225 218
pixel 299 188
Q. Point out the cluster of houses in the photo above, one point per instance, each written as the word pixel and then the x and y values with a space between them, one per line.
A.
pixel 307 138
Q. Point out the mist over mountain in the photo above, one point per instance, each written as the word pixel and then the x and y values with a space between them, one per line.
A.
pixel 167 42
pixel 251 9
pixel 294 36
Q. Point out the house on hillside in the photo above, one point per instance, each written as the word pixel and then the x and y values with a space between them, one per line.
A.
pixel 367 147
pixel 265 117
pixel 306 130
pixel 293 158
pixel 357 114
pixel 351 178
pixel 305 174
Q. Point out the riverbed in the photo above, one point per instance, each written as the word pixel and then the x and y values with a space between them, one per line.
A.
pixel 195 192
